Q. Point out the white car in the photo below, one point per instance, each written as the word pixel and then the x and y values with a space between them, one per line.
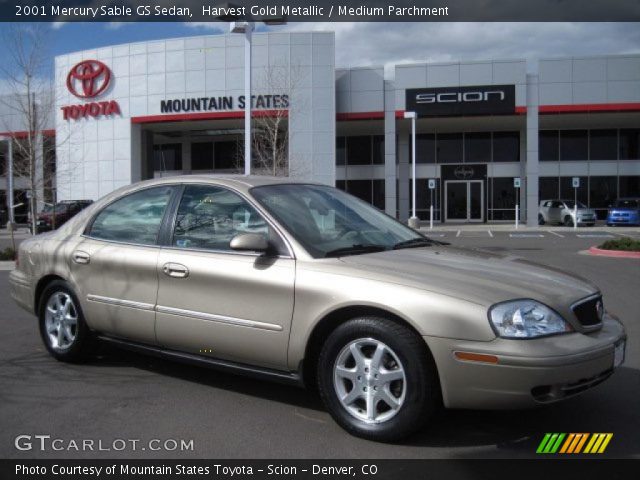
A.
pixel 562 212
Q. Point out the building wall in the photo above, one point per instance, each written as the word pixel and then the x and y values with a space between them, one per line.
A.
pixel 98 155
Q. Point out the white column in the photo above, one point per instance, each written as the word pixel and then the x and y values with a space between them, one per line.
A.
pixel 247 100
pixel 532 166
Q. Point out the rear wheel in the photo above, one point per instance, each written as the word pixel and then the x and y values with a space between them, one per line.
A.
pixel 62 326
pixel 378 379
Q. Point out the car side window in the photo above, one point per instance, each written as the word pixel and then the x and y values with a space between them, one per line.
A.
pixel 209 217
pixel 135 218
pixel 557 205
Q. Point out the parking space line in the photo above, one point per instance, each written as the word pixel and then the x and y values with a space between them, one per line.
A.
pixel 556 234
pixel 594 235
pixel 490 234
pixel 458 234
pixel 526 235
pixel 435 234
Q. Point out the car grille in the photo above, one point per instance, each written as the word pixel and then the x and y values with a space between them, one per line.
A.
pixel 587 312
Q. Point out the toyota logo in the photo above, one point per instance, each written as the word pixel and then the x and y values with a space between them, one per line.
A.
pixel 88 79
pixel 463 172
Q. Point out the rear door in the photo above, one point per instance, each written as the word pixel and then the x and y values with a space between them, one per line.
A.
pixel 218 302
pixel 114 267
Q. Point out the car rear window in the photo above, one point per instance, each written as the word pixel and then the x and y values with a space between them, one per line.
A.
pixel 627 203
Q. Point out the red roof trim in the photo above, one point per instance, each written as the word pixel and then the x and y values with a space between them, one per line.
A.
pixel 590 107
pixel 189 117
pixel 25 134
pixel 350 116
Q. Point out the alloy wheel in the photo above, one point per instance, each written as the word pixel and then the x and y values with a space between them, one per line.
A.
pixel 61 321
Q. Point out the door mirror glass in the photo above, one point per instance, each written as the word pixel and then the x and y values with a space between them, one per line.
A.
pixel 252 242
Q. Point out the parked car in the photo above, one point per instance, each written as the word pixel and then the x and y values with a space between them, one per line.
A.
pixel 626 211
pixel 53 216
pixel 561 212
pixel 306 284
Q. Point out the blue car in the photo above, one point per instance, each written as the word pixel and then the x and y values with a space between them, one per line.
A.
pixel 626 211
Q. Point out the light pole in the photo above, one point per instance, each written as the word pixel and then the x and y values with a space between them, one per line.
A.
pixel 246 26
pixel 247 29
pixel 413 221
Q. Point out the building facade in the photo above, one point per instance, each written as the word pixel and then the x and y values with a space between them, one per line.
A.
pixel 135 111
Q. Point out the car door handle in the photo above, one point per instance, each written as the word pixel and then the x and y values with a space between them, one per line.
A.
pixel 175 270
pixel 81 257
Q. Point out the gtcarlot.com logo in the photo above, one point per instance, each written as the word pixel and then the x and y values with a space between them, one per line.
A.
pixel 573 443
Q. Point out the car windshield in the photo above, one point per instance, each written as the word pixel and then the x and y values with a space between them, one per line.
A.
pixel 627 203
pixel 571 204
pixel 328 222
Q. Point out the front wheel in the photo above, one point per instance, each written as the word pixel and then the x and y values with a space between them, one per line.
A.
pixel 62 326
pixel 540 220
pixel 378 379
pixel 568 221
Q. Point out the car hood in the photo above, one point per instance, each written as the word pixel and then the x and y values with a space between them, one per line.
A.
pixel 623 210
pixel 474 275
pixel 586 211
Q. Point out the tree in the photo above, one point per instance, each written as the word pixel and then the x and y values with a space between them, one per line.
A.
pixel 270 136
pixel 30 103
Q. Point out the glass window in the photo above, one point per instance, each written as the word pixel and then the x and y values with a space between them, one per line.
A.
pixel 567 190
pixel 627 203
pixel 574 145
pixel 603 192
pixel 359 150
pixel 630 186
pixel 549 145
pixel 167 157
pixel 506 147
pixel 209 217
pixel 425 148
pixel 328 222
pixel 603 144
pixel 135 218
pixel 630 144
pixel 548 188
pixel 504 194
pixel 360 189
pixel 449 147
pixel 477 147
pixel 378 149
pixel 378 199
pixel 227 156
pixel 341 151
pixel 202 156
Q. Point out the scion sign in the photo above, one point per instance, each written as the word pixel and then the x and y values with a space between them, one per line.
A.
pixel 458 101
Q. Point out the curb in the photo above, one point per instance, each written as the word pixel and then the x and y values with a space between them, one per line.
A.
pixel 613 253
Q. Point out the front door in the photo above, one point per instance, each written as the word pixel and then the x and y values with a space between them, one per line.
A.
pixel 218 302
pixel 464 200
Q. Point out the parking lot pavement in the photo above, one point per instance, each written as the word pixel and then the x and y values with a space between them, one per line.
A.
pixel 124 395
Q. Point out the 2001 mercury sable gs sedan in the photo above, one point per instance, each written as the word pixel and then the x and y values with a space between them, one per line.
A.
pixel 304 283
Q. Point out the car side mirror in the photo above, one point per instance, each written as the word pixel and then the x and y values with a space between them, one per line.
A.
pixel 253 242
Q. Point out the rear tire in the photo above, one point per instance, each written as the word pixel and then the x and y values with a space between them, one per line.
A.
pixel 378 379
pixel 62 325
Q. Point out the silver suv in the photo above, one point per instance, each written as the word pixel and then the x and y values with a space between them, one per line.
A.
pixel 561 212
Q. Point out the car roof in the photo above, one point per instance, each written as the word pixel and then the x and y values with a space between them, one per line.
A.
pixel 243 182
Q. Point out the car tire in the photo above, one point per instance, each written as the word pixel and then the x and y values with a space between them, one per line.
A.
pixel 568 221
pixel 358 396
pixel 62 326
pixel 540 220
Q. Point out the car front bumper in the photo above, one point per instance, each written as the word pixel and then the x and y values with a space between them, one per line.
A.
pixel 20 289
pixel 527 372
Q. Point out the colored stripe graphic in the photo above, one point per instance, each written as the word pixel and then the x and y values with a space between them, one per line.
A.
pixel 574 443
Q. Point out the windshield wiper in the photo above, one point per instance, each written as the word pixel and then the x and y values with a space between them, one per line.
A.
pixel 355 250
pixel 414 243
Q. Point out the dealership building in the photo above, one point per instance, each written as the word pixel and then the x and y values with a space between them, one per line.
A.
pixel 130 112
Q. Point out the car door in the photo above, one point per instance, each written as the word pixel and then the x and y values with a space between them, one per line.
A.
pixel 114 266
pixel 218 302
pixel 555 212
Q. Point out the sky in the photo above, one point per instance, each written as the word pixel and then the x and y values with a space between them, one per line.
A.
pixel 361 44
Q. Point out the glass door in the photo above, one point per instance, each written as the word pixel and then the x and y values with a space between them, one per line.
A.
pixel 464 200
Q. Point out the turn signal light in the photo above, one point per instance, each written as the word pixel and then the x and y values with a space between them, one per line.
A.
pixel 476 357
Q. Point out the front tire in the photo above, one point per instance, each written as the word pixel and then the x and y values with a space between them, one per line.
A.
pixel 62 325
pixel 540 220
pixel 377 379
pixel 568 221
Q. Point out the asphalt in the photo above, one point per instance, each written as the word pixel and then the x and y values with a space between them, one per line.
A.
pixel 120 395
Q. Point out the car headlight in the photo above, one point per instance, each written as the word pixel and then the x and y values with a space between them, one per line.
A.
pixel 526 319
